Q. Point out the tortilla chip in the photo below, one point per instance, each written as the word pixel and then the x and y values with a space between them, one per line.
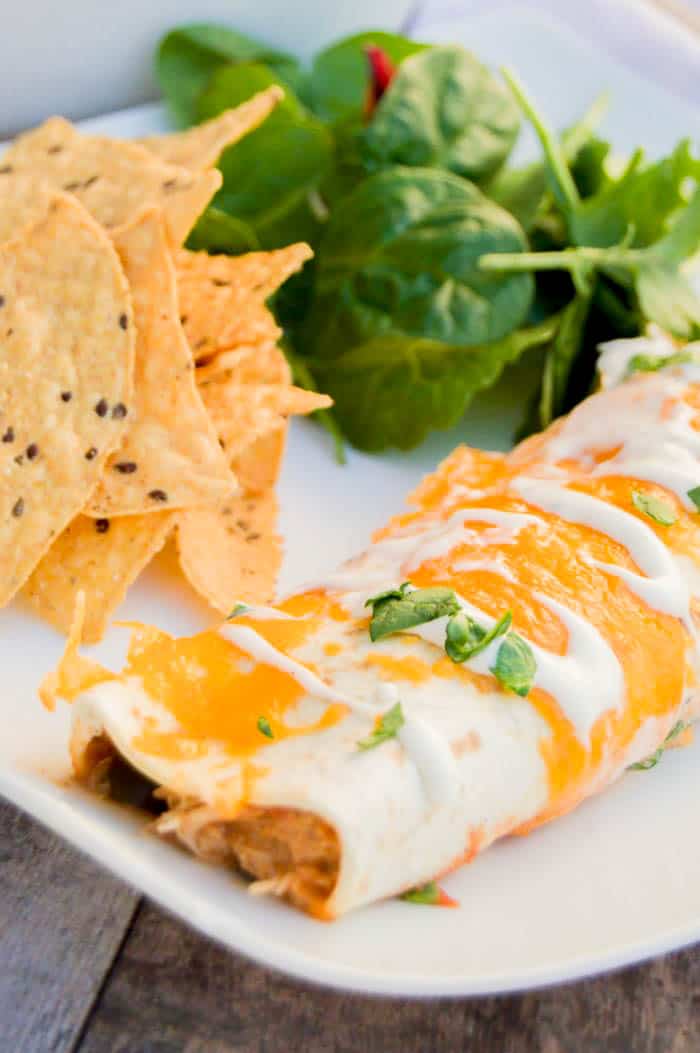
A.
pixel 231 552
pixel 258 466
pixel 73 674
pixel 222 298
pixel 200 147
pixel 114 180
pixel 170 456
pixel 248 364
pixel 99 557
pixel 241 413
pixel 66 366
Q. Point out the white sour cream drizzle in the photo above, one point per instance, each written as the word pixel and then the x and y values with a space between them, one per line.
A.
pixel 664 588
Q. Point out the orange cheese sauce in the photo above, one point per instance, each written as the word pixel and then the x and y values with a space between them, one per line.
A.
pixel 215 692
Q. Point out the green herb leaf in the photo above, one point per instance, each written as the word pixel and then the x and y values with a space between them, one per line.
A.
pixel 694 496
pixel 515 666
pixel 399 610
pixel 655 757
pixel 240 608
pixel 188 56
pixel 428 894
pixel 264 727
pixel 401 258
pixel 388 594
pixel 652 363
pixel 340 74
pixel 654 507
pixel 272 173
pixel 387 727
pixel 393 390
pixel 443 109
pixel 465 638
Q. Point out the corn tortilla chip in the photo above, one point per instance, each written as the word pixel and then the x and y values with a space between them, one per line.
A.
pixel 257 467
pixel 222 298
pixel 199 148
pixel 248 364
pixel 231 552
pixel 66 379
pixel 99 557
pixel 170 456
pixel 115 180
pixel 242 413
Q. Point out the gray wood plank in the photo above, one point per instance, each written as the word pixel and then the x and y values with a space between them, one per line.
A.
pixel 171 991
pixel 62 919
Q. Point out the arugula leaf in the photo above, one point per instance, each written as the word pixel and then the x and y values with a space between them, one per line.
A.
pixel 643 198
pixel 264 728
pixel 271 174
pixel 387 727
pixel 522 190
pixel 443 109
pixel 515 666
pixel 397 610
pixel 654 507
pixel 392 391
pixel 188 56
pixel 694 496
pixel 465 638
pixel 340 77
pixel 216 231
pixel 655 757
pixel 401 256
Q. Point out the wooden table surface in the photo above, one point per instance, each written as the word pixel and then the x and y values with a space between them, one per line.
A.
pixel 88 966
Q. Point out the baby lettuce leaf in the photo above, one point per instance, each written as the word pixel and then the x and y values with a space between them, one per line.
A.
pixel 560 356
pixel 443 109
pixel 340 74
pixel 271 175
pixel 400 257
pixel 188 56
pixel 394 390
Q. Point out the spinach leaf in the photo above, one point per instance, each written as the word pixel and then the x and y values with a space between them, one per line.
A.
pixel 188 56
pixel 397 610
pixel 216 231
pixel 340 74
pixel 400 257
pixel 271 175
pixel 443 109
pixel 394 390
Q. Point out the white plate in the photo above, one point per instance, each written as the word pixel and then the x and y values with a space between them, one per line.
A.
pixel 614 883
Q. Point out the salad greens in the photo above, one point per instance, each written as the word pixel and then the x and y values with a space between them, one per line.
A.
pixel 437 263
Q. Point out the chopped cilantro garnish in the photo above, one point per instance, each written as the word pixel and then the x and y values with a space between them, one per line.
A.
pixel 465 638
pixel 240 608
pixel 694 496
pixel 264 727
pixel 397 610
pixel 652 363
pixel 655 757
pixel 387 727
pixel 515 666
pixel 654 507
pixel 429 894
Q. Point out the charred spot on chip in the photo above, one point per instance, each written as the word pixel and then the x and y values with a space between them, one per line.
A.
pixel 102 526
pixel 5 169
pixel 73 185
pixel 123 321
pixel 91 453
pixel 125 467
pixel 119 411
pixel 183 319
pixel 9 435
pixel 90 181
pixel 220 282
pixel 55 149
pixel 19 459
pixel 66 396
pixel 158 495
pixel 169 184
pixel 101 408
pixel 2 301
pixel 18 507
pixel 32 451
